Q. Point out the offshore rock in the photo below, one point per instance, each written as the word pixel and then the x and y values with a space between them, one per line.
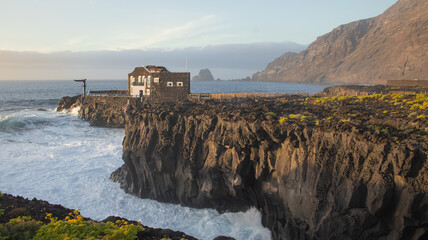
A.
pixel 204 75
pixel 330 180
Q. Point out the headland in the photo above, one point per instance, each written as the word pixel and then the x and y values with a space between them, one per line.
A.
pixel 318 167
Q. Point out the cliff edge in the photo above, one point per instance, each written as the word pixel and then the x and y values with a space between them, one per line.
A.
pixel 316 168
pixel 391 46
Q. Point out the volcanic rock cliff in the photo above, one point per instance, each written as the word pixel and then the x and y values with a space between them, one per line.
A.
pixel 316 169
pixel 100 111
pixel 393 45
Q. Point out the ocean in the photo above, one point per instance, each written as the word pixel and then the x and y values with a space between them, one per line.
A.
pixel 59 158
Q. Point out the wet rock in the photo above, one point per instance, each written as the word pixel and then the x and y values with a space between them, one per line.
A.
pixel 65 103
pixel 224 238
pixel 100 111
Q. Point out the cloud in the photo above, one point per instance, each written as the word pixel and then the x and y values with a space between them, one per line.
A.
pixel 227 61
pixel 187 27
pixel 172 35
pixel 76 41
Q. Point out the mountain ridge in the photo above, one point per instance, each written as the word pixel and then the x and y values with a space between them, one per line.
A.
pixel 390 46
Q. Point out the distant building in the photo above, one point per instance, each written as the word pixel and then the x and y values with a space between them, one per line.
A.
pixel 158 84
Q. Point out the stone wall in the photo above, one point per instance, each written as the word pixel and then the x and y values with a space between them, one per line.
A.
pixel 408 83
pixel 361 90
pixel 118 92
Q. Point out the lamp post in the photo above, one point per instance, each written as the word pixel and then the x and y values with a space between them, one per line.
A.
pixel 84 87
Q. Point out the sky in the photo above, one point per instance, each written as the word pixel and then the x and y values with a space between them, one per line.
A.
pixel 50 27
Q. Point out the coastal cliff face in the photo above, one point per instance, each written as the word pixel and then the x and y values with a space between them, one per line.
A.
pixel 311 179
pixel 100 111
pixel 392 45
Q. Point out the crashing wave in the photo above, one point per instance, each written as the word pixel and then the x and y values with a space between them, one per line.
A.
pixel 13 123
pixel 74 111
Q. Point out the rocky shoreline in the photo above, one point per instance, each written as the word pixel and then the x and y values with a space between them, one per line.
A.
pixel 344 167
pixel 16 206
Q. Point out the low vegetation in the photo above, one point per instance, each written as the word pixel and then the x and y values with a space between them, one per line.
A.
pixel 73 226
pixel 394 115
pixel 36 219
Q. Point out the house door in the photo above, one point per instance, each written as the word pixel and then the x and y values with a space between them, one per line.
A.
pixel 141 93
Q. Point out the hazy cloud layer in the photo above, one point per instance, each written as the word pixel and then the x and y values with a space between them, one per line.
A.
pixel 225 61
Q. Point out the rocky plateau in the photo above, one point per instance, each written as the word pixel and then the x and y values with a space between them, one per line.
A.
pixel 349 168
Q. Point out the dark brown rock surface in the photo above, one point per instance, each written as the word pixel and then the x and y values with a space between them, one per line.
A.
pixel 65 103
pixel 100 111
pixel 340 170
pixel 393 45
pixel 104 111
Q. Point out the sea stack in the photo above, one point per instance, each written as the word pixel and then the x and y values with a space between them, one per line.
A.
pixel 204 75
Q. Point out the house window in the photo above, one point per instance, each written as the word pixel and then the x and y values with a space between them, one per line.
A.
pixel 148 91
pixel 148 80
pixel 179 84
pixel 170 84
pixel 139 78
pixel 156 80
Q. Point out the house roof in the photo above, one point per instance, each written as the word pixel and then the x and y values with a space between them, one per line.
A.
pixel 157 69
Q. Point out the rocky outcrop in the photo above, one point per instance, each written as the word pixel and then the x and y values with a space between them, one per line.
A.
pixel 16 206
pixel 100 111
pixel 329 179
pixel 391 46
pixel 104 111
pixel 204 75
pixel 65 103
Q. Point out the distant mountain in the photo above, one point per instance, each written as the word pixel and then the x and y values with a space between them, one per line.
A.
pixel 204 75
pixel 228 61
pixel 393 45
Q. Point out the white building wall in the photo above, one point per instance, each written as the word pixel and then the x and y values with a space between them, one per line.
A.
pixel 135 90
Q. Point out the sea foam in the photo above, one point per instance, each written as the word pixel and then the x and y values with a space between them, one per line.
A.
pixel 74 111
pixel 63 160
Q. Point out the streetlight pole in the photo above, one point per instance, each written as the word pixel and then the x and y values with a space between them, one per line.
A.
pixel 84 87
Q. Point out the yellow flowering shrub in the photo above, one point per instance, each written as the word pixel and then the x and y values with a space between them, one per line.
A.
pixel 75 227
pixel 282 119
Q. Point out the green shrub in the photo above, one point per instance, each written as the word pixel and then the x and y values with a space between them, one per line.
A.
pixel 270 114
pixel 20 228
pixel 16 212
